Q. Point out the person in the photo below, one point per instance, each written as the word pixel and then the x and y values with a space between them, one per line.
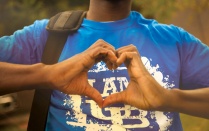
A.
pixel 16 77
pixel 165 71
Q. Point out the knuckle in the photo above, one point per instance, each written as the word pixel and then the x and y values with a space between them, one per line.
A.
pixel 99 42
pixel 135 53
pixel 133 47
pixel 126 53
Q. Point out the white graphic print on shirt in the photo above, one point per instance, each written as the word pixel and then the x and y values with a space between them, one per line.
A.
pixel 120 118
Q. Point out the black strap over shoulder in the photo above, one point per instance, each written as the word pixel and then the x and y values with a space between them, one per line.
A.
pixel 66 22
pixel 59 27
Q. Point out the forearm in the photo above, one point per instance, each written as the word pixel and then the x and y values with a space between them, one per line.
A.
pixel 15 77
pixel 192 102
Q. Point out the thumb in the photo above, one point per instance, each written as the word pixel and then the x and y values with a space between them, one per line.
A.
pixel 114 99
pixel 93 94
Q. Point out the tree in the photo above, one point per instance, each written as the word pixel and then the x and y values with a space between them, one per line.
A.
pixel 14 14
pixel 164 9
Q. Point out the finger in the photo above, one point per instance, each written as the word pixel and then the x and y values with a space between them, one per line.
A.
pixel 108 64
pixel 129 48
pixel 133 62
pixel 125 47
pixel 125 57
pixel 103 44
pixel 91 57
pixel 94 94
pixel 105 54
pixel 114 99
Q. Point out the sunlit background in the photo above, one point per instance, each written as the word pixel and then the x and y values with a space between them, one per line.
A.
pixel 192 15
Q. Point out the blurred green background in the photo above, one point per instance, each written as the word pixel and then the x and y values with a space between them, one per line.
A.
pixel 192 15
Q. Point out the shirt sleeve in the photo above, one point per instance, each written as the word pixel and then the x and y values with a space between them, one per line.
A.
pixel 25 46
pixel 194 57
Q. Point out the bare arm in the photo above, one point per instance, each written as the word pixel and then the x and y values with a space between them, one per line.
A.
pixel 15 77
pixel 144 92
pixel 69 76
pixel 192 102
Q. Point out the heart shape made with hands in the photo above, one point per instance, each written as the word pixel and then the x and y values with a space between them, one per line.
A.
pixel 142 91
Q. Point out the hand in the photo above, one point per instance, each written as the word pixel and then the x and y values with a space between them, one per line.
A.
pixel 143 91
pixel 70 76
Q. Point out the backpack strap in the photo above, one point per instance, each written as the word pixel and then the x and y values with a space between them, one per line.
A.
pixel 66 22
pixel 59 27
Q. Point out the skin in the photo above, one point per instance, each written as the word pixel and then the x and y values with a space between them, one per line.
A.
pixel 142 91
pixel 110 10
pixel 58 76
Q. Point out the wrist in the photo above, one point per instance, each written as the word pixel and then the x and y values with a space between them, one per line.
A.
pixel 43 75
pixel 173 100
pixel 47 75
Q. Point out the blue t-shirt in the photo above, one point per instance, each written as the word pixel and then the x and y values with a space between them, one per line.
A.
pixel 175 58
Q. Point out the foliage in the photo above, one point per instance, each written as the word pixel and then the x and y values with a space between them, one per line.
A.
pixel 14 14
pixel 163 9
pixel 160 9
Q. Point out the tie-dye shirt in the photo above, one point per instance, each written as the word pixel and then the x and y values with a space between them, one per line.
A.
pixel 175 58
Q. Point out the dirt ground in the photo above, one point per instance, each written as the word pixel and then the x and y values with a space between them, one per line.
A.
pixel 17 120
pixel 14 121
